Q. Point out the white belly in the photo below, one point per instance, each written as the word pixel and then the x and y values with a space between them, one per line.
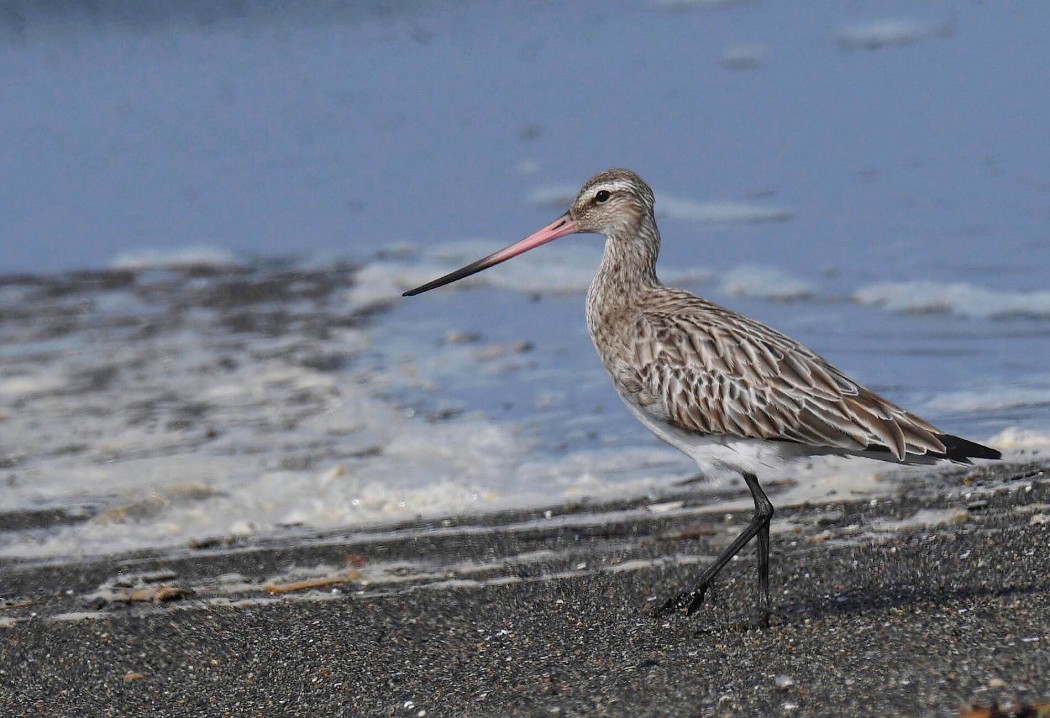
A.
pixel 717 454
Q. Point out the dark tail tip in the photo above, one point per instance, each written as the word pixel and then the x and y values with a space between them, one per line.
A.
pixel 961 450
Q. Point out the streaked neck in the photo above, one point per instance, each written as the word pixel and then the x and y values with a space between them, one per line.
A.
pixel 629 262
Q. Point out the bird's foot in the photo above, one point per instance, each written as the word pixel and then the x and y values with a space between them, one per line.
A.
pixel 763 615
pixel 686 602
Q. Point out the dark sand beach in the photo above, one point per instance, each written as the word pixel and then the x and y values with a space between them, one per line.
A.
pixel 923 603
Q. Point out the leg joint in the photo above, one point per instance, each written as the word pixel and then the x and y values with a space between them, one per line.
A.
pixel 763 507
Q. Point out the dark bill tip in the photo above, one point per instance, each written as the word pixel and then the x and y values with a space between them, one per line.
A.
pixel 558 228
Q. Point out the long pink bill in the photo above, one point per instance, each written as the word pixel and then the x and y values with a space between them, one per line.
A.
pixel 558 228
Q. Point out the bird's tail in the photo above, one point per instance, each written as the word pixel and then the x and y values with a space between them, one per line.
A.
pixel 958 449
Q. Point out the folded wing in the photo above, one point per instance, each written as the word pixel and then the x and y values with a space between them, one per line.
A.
pixel 705 369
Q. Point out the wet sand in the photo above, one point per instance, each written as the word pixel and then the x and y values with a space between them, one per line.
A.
pixel 922 603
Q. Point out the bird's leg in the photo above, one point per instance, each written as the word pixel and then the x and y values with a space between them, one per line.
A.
pixel 692 597
pixel 765 606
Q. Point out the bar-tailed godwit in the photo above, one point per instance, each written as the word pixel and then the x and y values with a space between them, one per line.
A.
pixel 730 392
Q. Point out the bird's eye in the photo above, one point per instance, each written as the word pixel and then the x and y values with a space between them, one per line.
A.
pixel 601 196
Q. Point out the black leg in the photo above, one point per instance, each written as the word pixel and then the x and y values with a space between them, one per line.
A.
pixel 692 596
pixel 765 607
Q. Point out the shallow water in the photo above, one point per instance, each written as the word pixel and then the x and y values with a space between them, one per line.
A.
pixel 869 178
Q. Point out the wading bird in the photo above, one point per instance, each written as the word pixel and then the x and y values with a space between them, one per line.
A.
pixel 730 392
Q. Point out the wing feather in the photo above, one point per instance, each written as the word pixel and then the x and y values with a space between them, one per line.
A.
pixel 708 370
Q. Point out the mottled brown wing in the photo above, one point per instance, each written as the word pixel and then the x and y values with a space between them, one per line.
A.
pixel 705 369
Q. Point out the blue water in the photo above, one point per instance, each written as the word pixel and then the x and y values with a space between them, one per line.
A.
pixel 907 141
pixel 333 131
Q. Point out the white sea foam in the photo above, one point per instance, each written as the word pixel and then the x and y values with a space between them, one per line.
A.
pixel 42 381
pixel 991 399
pixel 765 283
pixel 239 486
pixel 381 283
pixel 1019 439
pixel 270 442
pixel 881 33
pixel 195 256
pixel 967 300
